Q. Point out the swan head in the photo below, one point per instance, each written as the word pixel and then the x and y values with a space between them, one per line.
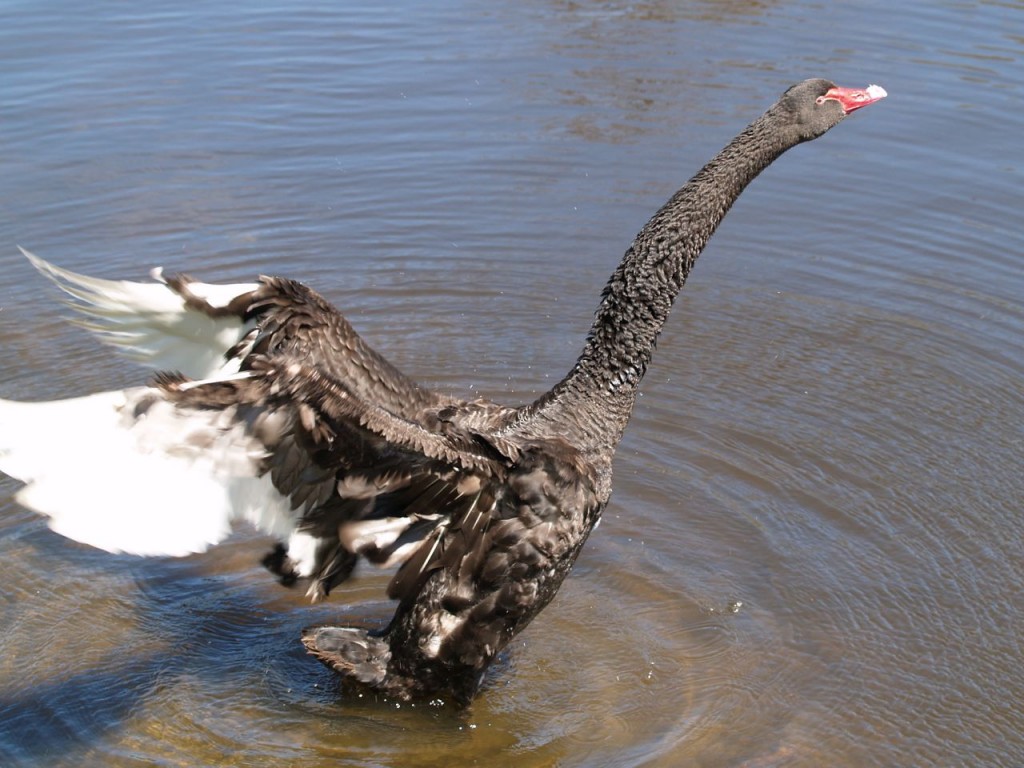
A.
pixel 814 106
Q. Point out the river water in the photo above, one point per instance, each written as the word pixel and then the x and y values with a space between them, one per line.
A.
pixel 813 554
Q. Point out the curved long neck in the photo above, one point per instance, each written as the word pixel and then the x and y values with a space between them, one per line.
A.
pixel 594 401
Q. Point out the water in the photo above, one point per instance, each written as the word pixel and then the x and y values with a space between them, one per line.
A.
pixel 812 556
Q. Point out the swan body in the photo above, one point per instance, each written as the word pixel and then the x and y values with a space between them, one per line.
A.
pixel 271 410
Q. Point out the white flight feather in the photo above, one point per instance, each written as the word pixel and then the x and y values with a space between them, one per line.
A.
pixel 439 532
pixel 119 473
pixel 362 535
pixel 302 551
pixel 150 323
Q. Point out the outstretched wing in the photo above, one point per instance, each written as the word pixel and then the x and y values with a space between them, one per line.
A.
pixel 294 425
pixel 153 324
pixel 205 331
pixel 360 479
pixel 167 469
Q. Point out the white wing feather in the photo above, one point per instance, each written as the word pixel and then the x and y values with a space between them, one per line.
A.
pixel 153 480
pixel 150 323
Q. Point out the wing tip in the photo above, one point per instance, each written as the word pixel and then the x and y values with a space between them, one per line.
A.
pixel 40 264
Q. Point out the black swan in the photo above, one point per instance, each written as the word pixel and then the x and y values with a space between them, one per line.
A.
pixel 279 414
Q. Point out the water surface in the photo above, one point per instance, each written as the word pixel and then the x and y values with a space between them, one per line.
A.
pixel 812 556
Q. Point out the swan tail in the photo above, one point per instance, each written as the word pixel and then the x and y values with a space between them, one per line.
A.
pixel 175 324
pixel 127 471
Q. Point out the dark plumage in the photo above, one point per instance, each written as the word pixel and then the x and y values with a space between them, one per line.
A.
pixel 485 507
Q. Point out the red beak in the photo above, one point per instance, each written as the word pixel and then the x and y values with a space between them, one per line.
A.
pixel 855 98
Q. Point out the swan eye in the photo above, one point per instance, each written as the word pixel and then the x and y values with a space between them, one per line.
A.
pixel 820 100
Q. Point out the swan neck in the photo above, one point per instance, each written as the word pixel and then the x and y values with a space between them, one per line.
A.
pixel 596 398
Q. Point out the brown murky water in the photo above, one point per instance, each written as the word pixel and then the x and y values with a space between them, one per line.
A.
pixel 813 555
